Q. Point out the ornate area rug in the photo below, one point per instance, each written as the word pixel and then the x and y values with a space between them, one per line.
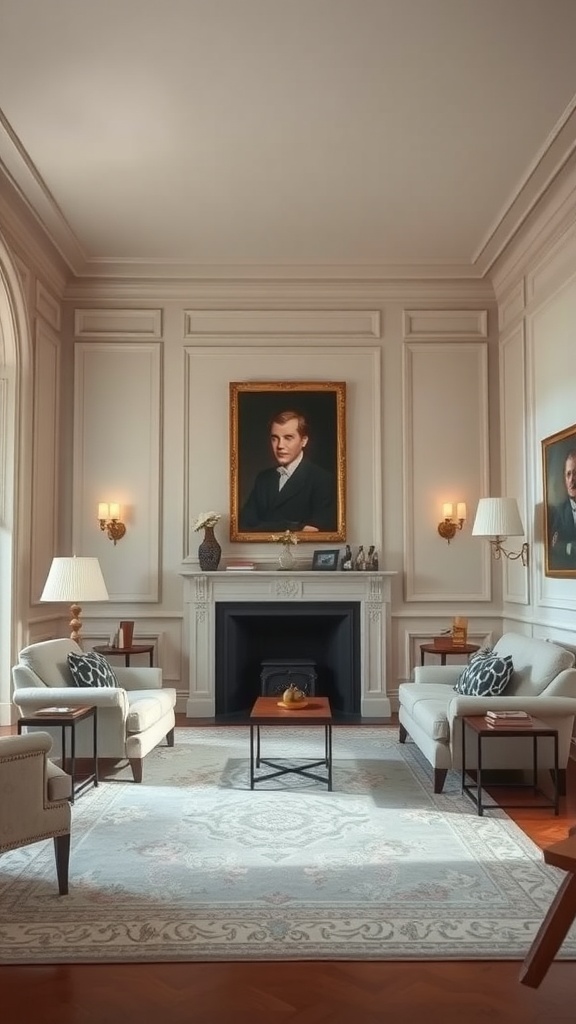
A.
pixel 193 865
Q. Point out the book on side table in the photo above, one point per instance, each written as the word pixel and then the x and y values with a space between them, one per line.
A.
pixel 507 718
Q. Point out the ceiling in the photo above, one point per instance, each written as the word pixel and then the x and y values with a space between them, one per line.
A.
pixel 298 138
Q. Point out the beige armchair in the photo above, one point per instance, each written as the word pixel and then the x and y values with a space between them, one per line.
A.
pixel 34 799
pixel 133 717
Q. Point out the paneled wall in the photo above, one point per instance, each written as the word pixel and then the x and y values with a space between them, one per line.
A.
pixel 536 287
pixel 449 395
pixel 416 366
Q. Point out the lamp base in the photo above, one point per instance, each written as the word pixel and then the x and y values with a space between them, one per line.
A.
pixel 75 623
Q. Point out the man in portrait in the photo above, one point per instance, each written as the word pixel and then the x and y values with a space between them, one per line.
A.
pixel 563 521
pixel 294 493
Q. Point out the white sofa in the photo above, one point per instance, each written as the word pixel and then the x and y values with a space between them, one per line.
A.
pixel 132 717
pixel 543 684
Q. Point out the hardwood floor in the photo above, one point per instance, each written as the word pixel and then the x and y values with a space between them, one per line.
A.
pixel 302 993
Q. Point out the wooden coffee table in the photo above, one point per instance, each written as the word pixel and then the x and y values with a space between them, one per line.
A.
pixel 267 712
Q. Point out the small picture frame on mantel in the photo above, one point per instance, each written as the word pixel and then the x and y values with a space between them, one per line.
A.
pixel 326 561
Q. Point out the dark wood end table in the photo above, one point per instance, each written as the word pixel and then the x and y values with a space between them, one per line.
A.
pixel 267 712
pixel 127 652
pixel 68 719
pixel 535 729
pixel 447 650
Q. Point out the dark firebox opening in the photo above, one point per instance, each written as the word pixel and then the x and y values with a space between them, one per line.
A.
pixel 248 633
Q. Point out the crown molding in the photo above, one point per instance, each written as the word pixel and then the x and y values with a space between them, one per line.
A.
pixel 261 293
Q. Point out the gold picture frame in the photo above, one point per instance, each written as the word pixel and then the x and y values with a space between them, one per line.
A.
pixel 314 503
pixel 559 479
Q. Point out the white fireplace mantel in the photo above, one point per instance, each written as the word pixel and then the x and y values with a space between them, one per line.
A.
pixel 202 591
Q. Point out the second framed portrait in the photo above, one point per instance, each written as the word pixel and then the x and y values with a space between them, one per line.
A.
pixel 559 475
pixel 288 460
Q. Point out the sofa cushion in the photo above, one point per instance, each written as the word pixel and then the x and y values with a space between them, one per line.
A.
pixel 91 669
pixel 49 660
pixel 488 676
pixel 536 662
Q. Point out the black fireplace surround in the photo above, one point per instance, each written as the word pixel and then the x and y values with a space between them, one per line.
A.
pixel 249 633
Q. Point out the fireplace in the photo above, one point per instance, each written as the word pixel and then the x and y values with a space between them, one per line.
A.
pixel 349 612
pixel 252 632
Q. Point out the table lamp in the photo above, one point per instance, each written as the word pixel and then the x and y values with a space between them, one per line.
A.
pixel 75 580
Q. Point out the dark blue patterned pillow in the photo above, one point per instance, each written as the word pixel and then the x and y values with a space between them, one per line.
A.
pixel 91 669
pixel 486 677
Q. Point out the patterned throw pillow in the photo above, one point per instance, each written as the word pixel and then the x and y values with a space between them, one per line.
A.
pixel 91 669
pixel 486 677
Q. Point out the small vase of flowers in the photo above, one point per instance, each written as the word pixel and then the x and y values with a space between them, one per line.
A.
pixel 209 551
pixel 287 540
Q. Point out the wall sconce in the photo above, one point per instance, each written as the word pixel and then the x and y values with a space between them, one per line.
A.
pixel 109 519
pixel 497 519
pixel 448 525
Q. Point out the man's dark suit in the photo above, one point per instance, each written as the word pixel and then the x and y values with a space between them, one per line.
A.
pixel 563 525
pixel 308 498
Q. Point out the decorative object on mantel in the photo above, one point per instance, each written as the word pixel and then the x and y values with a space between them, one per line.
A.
pixel 286 539
pixel 209 551
pixel 346 563
pixel 360 560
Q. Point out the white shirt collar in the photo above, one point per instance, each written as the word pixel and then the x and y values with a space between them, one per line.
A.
pixel 289 469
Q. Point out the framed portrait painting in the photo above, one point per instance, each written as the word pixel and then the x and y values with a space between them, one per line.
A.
pixel 559 476
pixel 288 460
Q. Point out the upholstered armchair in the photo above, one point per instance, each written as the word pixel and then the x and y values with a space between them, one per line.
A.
pixel 133 717
pixel 34 799
pixel 543 684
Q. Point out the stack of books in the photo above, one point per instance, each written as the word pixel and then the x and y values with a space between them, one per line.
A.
pixel 507 718
pixel 240 565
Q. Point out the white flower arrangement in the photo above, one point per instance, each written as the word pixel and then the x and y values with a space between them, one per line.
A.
pixel 285 538
pixel 206 519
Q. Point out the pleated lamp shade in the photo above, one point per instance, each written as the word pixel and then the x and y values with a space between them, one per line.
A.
pixel 75 580
pixel 497 517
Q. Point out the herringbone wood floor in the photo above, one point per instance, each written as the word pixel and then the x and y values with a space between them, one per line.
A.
pixel 301 993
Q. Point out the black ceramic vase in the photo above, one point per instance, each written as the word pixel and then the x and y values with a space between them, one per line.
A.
pixel 209 552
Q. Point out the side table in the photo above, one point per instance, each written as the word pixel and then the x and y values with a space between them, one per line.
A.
pixel 534 730
pixel 127 652
pixel 68 719
pixel 447 650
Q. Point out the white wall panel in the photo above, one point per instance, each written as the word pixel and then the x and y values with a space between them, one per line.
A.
pixel 512 306
pixel 552 344
pixel 441 324
pixel 47 306
pixel 445 459
pixel 276 323
pixel 513 456
pixel 45 496
pixel 117 453
pixel 139 324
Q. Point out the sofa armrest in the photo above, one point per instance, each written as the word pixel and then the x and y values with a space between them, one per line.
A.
pixel 26 813
pixel 13 746
pixel 447 674
pixel 29 699
pixel 139 677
